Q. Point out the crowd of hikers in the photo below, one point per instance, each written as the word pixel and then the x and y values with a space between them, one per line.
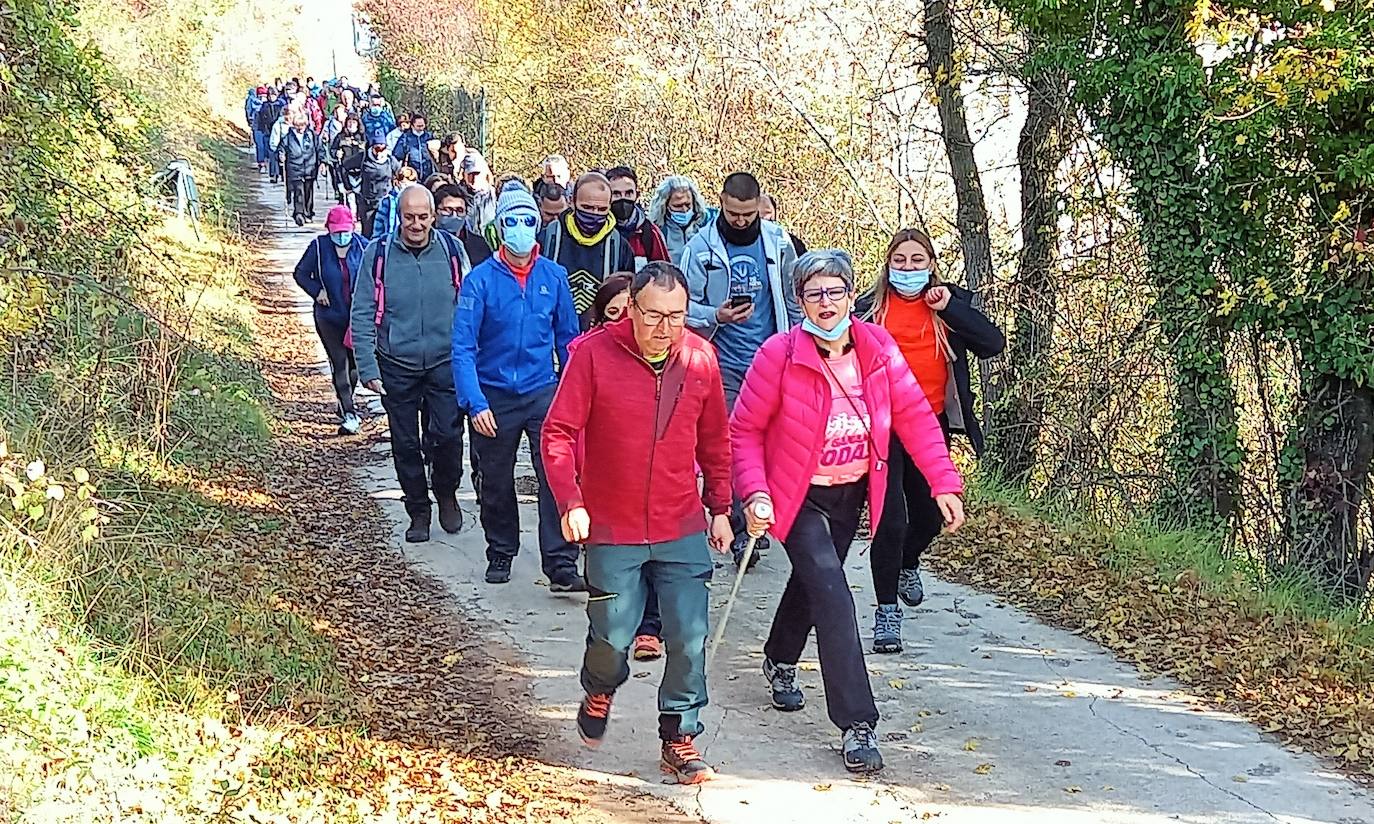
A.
pixel 687 376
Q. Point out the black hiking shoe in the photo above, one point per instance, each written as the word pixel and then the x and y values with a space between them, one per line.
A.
pixel 910 588
pixel 681 760
pixel 737 549
pixel 782 684
pixel 861 749
pixel 592 716
pixel 498 571
pixel 450 516
pixel 571 582
pixel 418 531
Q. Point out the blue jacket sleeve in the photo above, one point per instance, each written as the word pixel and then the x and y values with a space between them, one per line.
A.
pixel 308 275
pixel 382 219
pixel 467 323
pixel 566 324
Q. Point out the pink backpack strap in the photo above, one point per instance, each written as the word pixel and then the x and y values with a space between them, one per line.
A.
pixel 378 290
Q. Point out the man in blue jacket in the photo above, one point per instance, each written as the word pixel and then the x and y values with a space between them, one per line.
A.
pixel 515 313
pixel 377 117
pixel 412 147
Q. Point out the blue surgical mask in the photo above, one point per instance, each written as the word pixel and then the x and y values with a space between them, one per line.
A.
pixel 341 239
pixel 833 335
pixel 450 223
pixel 519 238
pixel 908 282
pixel 682 219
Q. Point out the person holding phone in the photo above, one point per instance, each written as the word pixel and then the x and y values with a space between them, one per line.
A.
pixel 738 269
pixel 809 438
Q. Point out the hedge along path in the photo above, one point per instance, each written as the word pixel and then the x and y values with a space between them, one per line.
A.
pixel 1306 682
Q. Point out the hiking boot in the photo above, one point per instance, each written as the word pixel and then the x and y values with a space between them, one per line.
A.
pixel 300 221
pixel 740 543
pixel 350 426
pixel 450 516
pixel 782 682
pixel 498 571
pixel 418 531
pixel 887 628
pixel 860 747
pixel 909 587
pixel 592 716
pixel 572 582
pixel 648 648
pixel 681 760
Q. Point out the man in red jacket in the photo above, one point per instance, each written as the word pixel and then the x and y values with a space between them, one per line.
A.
pixel 642 401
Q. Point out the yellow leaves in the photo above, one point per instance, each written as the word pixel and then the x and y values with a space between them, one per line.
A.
pixel 983 769
pixel 897 683
pixel 1342 212
pixel 823 788
pixel 971 745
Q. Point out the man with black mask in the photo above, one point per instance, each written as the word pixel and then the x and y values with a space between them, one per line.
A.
pixel 453 215
pixel 739 278
pixel 646 241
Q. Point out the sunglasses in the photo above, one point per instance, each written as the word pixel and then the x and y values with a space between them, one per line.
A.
pixel 512 221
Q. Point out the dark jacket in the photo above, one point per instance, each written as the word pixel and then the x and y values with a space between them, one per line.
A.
pixel 970 331
pixel 475 245
pixel 588 266
pixel 655 428
pixel 320 268
pixel 346 145
pixel 304 152
pixel 266 116
pixel 376 175
pixel 413 151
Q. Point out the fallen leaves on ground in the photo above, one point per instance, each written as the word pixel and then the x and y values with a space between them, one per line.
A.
pixel 1299 680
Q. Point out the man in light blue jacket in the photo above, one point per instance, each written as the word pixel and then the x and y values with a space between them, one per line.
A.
pixel 739 275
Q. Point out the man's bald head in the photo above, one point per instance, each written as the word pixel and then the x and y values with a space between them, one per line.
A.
pixel 416 208
pixel 592 193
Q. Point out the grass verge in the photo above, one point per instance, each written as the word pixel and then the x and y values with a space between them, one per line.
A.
pixel 1174 603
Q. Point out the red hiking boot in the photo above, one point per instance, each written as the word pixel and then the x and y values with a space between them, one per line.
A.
pixel 592 717
pixel 681 760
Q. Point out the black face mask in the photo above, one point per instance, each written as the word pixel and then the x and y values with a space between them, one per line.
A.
pixel 747 236
pixel 623 210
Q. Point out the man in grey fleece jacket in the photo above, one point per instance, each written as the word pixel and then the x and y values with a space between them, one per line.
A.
pixel 403 352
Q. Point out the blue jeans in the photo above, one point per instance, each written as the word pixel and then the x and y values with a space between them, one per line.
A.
pixel 260 146
pixel 618 578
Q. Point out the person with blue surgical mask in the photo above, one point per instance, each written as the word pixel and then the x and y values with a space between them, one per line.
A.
pixel 679 211
pixel 936 326
pixel 515 318
pixel 326 273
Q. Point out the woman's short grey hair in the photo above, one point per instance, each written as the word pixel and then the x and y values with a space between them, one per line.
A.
pixel 834 263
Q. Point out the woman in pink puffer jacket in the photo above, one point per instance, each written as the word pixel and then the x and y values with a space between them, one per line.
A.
pixel 810 434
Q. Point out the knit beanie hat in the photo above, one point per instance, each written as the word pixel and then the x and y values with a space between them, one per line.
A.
pixel 515 200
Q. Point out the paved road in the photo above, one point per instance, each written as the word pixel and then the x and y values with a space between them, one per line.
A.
pixel 989 716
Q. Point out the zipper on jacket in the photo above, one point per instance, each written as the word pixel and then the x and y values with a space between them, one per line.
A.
pixel 653 448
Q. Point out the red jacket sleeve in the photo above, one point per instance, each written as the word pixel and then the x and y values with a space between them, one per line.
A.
pixel 713 440
pixel 563 425
pixel 658 247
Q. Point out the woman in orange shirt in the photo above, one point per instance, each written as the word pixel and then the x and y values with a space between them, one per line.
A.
pixel 936 326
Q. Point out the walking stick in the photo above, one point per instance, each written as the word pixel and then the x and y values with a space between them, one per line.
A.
pixel 762 509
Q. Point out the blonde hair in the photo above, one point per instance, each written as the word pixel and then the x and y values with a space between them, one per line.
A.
pixel 881 288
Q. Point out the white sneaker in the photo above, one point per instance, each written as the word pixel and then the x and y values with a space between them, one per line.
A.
pixel 351 424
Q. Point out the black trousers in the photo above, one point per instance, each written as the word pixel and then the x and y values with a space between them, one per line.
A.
pixel 301 192
pixel 817 595
pixel 342 368
pixel 911 520
pixel 369 214
pixel 519 416
pixel 406 389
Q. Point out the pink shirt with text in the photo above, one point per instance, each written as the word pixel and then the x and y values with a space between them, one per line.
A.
pixel 844 456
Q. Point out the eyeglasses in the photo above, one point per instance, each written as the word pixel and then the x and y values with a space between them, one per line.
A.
pixel 512 221
pixel 834 294
pixel 453 211
pixel 654 318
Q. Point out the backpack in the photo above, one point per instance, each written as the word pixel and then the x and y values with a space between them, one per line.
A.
pixel 611 254
pixel 456 258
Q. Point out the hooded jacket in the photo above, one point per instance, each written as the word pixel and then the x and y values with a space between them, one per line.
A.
pixel 304 152
pixel 382 121
pixel 706 263
pixel 413 150
pixel 969 331
pixel 267 114
pixel 321 269
pixel 376 174
pixel 645 240
pixel 651 429
pixel 419 295
pixel 777 450
pixel 676 237
pixel 506 336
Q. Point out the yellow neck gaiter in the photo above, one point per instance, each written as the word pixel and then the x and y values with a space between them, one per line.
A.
pixel 570 221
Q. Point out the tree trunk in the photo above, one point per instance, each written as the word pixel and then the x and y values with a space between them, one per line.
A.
pixel 1337 447
pixel 1013 443
pixel 972 215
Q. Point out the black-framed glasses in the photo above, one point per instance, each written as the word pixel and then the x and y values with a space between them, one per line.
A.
pixel 453 211
pixel 654 318
pixel 834 294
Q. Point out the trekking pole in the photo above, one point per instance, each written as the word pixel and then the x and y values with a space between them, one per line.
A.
pixel 762 510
